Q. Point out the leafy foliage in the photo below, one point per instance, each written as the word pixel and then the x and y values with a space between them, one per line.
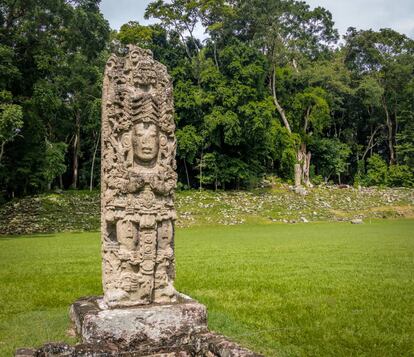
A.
pixel 377 171
pixel 55 160
pixel 51 65
pixel 265 91
pixel 330 157
pixel 11 120
pixel 400 176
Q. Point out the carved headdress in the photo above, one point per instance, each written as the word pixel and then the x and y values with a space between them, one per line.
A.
pixel 139 89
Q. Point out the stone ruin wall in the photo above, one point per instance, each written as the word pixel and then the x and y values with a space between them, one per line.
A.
pixel 138 180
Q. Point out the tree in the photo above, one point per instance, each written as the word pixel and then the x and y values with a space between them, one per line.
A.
pixel 288 33
pixel 330 157
pixel 265 92
pixel 49 60
pixel 312 112
pixel 219 170
pixel 180 16
pixel 10 120
pixel 377 171
pixel 55 161
pixel 238 121
pixel 189 143
pixel 384 60
pixel 140 35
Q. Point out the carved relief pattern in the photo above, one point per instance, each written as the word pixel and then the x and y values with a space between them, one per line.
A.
pixel 138 180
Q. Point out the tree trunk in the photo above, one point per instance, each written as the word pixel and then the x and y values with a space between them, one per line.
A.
pixel 76 150
pixel 93 162
pixel 390 137
pixel 187 51
pixel 75 164
pixel 307 115
pixel 371 143
pixel 186 173
pixel 306 170
pixel 190 31
pixel 298 175
pixel 2 149
pixel 302 168
pixel 277 104
pixel 215 54
pixel 201 171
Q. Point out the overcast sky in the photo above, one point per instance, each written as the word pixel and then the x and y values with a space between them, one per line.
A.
pixel 362 14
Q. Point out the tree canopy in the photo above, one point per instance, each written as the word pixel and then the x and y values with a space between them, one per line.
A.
pixel 270 90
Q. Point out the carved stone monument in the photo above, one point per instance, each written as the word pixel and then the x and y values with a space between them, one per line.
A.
pixel 140 314
pixel 138 179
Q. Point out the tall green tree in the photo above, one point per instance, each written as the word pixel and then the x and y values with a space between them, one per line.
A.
pixel 288 33
pixel 50 54
pixel 10 120
pixel 383 62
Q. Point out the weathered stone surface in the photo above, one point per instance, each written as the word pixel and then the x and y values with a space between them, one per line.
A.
pixel 165 330
pixel 138 179
pixel 167 325
pixel 203 345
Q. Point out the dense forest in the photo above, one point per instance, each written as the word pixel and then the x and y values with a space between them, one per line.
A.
pixel 271 90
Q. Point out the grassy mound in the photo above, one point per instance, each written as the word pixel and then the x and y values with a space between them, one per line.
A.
pixel 66 211
pixel 79 210
pixel 317 289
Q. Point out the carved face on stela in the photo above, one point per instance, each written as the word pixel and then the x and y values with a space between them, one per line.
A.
pixel 145 142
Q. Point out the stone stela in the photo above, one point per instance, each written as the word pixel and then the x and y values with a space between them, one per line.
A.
pixel 138 179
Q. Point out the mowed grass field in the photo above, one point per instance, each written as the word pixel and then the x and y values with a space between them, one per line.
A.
pixel 317 289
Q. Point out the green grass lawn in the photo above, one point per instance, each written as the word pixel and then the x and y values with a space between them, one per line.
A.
pixel 318 289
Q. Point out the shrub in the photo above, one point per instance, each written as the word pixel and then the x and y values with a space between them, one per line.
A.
pixel 400 175
pixel 317 180
pixel 377 172
pixel 330 157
